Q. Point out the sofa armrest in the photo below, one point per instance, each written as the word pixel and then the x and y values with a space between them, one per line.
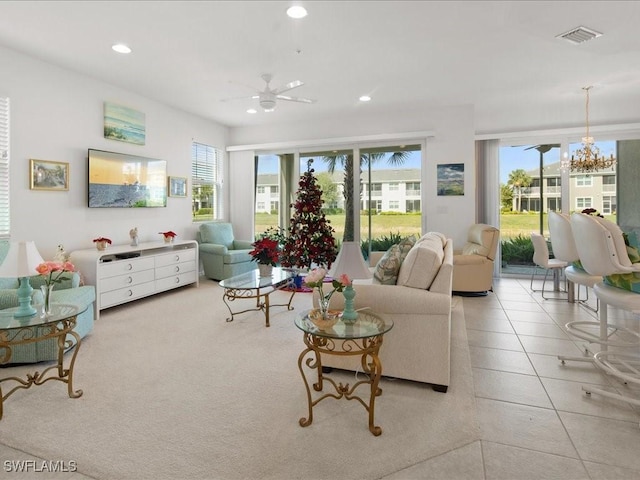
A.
pixel 470 260
pixel 213 248
pixel 393 299
pixel 242 245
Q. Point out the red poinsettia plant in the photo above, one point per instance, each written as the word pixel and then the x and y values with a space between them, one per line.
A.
pixel 102 239
pixel 266 251
pixel 169 234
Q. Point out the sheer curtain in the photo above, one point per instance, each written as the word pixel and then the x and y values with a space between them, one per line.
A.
pixel 488 188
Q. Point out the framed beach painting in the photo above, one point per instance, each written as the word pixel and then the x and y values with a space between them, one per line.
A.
pixel 47 175
pixel 450 179
pixel 124 124
pixel 177 186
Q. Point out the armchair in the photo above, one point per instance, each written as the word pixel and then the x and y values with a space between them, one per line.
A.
pixel 473 265
pixel 222 255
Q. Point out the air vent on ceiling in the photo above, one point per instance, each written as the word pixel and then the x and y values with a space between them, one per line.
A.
pixel 579 35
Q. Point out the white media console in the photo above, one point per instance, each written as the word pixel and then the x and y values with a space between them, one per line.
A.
pixel 123 273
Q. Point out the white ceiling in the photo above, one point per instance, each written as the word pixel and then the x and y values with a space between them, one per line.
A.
pixel 501 57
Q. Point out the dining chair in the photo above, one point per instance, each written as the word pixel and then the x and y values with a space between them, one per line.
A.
pixel 564 248
pixel 541 260
pixel 603 253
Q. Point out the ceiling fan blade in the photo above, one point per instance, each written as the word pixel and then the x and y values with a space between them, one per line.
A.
pixel 288 86
pixel 240 98
pixel 296 99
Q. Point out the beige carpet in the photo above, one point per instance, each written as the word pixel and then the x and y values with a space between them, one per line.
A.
pixel 172 391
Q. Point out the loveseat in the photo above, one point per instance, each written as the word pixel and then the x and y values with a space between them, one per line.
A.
pixel 68 291
pixel 418 347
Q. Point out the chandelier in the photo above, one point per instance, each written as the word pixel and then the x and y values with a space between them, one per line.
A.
pixel 587 159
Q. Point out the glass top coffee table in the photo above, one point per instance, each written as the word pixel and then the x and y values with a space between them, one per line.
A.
pixel 251 285
pixel 362 337
pixel 37 328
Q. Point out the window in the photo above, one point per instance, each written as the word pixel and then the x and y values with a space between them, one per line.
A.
pixel 376 189
pixel 608 183
pixel 260 206
pixel 393 187
pixel 608 205
pixel 583 202
pixel 394 205
pixel 413 189
pixel 206 182
pixel 413 206
pixel 4 168
pixel 260 190
pixel 584 180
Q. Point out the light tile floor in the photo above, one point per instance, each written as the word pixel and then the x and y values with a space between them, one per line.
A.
pixel 536 421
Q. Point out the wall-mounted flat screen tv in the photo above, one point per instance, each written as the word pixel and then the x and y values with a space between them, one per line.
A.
pixel 126 181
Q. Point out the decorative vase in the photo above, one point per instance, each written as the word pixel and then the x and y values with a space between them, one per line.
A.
pixel 168 239
pixel 101 245
pixel 265 270
pixel 46 294
pixel 349 315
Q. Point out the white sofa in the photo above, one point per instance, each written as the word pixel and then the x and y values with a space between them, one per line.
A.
pixel 418 347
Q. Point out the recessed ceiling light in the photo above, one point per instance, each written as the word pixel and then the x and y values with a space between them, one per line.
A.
pixel 252 110
pixel 365 98
pixel 120 48
pixel 297 11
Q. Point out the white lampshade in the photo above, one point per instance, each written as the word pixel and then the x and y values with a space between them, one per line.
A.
pixel 351 262
pixel 21 260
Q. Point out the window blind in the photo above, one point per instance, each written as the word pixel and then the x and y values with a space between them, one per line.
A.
pixel 206 180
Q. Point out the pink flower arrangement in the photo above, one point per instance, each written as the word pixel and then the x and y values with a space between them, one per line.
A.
pixel 52 271
pixel 315 279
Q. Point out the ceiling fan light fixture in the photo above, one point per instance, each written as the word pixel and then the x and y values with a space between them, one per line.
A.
pixel 252 111
pixel 268 104
pixel 365 98
pixel 297 11
pixel 120 48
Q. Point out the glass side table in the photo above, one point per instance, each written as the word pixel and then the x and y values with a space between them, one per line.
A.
pixel 361 338
pixel 37 328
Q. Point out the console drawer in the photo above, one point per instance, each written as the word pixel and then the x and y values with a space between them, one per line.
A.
pixel 175 281
pixel 177 269
pixel 129 280
pixel 176 256
pixel 116 297
pixel 119 267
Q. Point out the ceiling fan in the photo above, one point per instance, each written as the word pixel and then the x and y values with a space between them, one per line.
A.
pixel 269 96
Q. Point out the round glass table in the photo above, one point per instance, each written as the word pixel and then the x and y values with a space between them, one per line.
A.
pixel 362 337
pixel 57 324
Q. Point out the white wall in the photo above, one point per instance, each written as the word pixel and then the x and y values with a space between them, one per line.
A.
pixel 453 142
pixel 58 115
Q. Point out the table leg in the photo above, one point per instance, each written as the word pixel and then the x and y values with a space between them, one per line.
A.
pixel 311 363
pixel 266 308
pixel 375 371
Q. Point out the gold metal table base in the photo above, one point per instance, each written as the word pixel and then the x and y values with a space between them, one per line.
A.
pixel 367 348
pixel 233 294
pixel 22 336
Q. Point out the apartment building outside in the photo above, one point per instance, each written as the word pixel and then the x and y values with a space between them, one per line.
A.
pixel 593 190
pixel 389 190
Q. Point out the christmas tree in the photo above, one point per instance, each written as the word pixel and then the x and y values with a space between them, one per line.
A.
pixel 310 240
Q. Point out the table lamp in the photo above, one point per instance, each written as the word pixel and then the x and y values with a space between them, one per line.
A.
pixel 350 262
pixel 21 262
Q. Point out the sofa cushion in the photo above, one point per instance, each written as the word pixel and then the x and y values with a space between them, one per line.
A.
pixel 387 268
pixel 422 264
pixel 432 235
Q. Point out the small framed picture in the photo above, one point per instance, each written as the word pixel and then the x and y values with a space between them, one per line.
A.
pixel 47 175
pixel 177 187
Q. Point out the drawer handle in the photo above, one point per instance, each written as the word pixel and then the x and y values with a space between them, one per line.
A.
pixel 129 266
pixel 177 280
pixel 177 258
pixel 129 279
pixel 130 293
pixel 177 269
